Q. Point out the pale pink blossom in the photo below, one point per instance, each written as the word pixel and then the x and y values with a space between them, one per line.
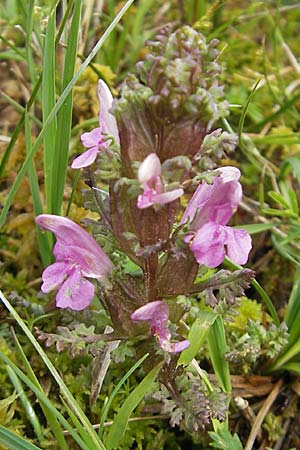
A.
pixel 157 314
pixel 208 212
pixel 150 178
pixel 78 256
pixel 96 140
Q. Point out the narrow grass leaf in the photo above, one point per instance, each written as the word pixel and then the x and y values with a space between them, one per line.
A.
pixel 244 114
pixel 293 307
pixel 272 310
pixel 83 433
pixel 42 397
pixel 135 397
pixel 20 109
pixel 285 107
pixel 64 117
pixel 42 238
pixel 56 108
pixel 30 412
pixel 29 28
pixel 63 388
pixel 292 367
pixel 31 100
pixel 19 126
pixel 48 103
pixel 52 420
pixel 286 356
pixel 13 441
pixel 116 390
pixel 293 164
pixel 197 335
pixel 286 250
pixel 17 54
pixel 217 350
pixel 254 228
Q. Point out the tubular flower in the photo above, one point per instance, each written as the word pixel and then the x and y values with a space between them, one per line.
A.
pixel 157 314
pixel 149 176
pixel 94 140
pixel 209 211
pixel 78 256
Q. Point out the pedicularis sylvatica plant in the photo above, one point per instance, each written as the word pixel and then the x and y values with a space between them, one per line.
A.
pixel 163 225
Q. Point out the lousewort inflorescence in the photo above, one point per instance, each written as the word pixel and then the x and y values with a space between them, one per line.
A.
pixel 162 131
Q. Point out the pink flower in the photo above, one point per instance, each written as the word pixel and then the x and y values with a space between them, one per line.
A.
pixel 94 140
pixel 149 176
pixel 78 256
pixel 157 314
pixel 209 211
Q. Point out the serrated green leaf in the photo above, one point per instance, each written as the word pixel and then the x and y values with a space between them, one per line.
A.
pixel 223 439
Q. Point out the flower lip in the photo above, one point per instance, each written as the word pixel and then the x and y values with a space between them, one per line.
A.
pixel 208 213
pixel 78 256
pixel 107 120
pixel 75 243
pixel 157 314
pixel 149 176
pixel 95 140
pixel 149 169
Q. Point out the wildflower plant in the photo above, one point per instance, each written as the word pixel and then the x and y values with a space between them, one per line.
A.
pixel 158 147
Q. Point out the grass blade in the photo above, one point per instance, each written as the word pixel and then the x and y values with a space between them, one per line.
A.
pixel 32 417
pixel 45 400
pixel 48 103
pixel 217 350
pixel 57 107
pixel 116 390
pixel 121 419
pixel 259 289
pixel 63 388
pixel 12 441
pixel 197 335
pixel 85 436
pixel 64 118
pixel 42 238
pixel 52 420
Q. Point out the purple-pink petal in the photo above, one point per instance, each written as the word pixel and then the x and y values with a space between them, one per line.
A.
pixel 149 169
pixel 149 176
pixel 150 198
pixel 54 275
pixel 208 244
pixel 175 347
pixel 77 256
pixel 151 311
pixel 85 159
pixel 157 313
pixel 75 244
pixel 92 138
pixel 169 196
pixel 238 243
pixel 215 202
pixel 75 293
pixel 107 120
